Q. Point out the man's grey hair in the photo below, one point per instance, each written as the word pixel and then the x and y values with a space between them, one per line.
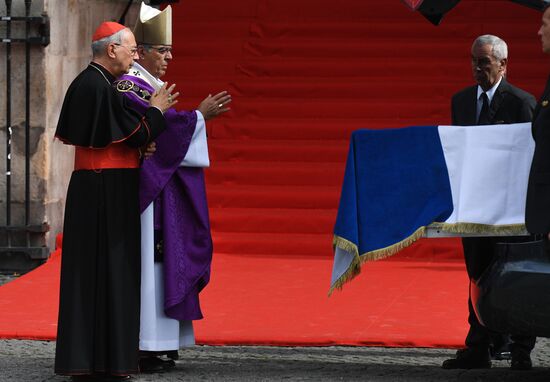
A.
pixel 500 49
pixel 99 46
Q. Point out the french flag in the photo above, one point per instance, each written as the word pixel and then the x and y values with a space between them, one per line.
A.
pixel 464 179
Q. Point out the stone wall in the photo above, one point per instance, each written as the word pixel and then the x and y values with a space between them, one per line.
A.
pixel 72 23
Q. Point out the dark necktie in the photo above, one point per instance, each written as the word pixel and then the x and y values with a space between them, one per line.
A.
pixel 484 114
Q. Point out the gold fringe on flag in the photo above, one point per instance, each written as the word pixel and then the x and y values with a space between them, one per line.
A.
pixel 465 228
pixel 355 267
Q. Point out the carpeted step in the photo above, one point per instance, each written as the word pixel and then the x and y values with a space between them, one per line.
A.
pixel 198 90
pixel 212 10
pixel 384 28
pixel 281 244
pixel 312 88
pixel 195 67
pixel 474 12
pixel 220 49
pixel 344 108
pixel 225 46
pixel 328 88
pixel 273 196
pixel 195 29
pixel 306 109
pixel 335 68
pixel 272 220
pixel 283 173
pixel 366 49
pixel 341 88
pixel 357 10
pixel 277 151
pixel 357 30
pixel 306 244
pixel 309 128
pixel 434 69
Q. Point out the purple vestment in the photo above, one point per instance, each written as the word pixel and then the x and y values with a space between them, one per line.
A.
pixel 181 211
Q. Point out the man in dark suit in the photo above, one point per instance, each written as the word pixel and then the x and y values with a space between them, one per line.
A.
pixel 492 101
pixel 537 211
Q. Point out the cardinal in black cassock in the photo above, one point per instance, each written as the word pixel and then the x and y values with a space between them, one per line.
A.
pixel 98 328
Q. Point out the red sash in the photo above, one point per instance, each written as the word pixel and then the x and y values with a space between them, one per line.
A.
pixel 116 155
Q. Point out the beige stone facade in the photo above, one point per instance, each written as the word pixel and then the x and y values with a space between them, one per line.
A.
pixel 53 67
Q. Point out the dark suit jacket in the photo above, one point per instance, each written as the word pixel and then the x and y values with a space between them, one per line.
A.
pixel 537 211
pixel 509 105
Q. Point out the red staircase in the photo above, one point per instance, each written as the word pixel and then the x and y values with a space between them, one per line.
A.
pixel 305 74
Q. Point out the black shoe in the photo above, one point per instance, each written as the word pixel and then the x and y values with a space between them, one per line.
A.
pixel 500 353
pixel 173 354
pixel 500 348
pixel 469 359
pixel 521 360
pixel 155 365
pixel 502 356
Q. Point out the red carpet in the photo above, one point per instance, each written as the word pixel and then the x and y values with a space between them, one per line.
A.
pixel 304 75
pixel 277 300
pixel 29 303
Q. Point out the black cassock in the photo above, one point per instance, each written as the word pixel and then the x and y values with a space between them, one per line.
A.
pixel 98 326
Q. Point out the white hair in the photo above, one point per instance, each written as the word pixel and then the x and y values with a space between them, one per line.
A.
pixel 98 47
pixel 500 49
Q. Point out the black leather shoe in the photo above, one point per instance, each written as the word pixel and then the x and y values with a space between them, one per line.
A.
pixel 502 356
pixel 469 359
pixel 500 353
pixel 173 354
pixel 521 360
pixel 500 348
pixel 155 365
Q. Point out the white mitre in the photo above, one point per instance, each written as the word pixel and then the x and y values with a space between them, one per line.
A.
pixel 154 27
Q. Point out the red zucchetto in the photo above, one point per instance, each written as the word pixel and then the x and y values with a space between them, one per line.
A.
pixel 106 29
